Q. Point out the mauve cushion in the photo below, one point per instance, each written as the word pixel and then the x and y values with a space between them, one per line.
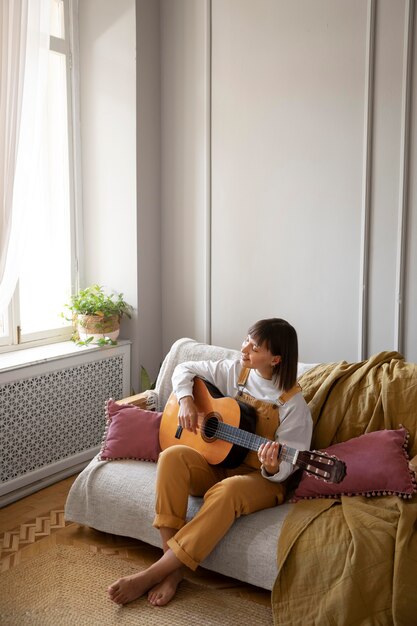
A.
pixel 131 433
pixel 376 465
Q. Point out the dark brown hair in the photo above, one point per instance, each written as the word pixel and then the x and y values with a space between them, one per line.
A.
pixel 280 338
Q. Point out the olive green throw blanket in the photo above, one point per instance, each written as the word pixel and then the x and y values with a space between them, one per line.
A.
pixel 352 561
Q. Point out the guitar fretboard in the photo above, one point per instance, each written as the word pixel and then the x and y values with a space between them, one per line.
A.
pixel 251 441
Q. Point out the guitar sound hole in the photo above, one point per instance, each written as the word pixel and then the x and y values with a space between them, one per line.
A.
pixel 210 426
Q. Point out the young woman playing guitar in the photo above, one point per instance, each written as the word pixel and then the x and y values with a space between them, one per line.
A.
pixel 266 379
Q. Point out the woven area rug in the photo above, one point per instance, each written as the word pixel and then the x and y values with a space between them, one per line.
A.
pixel 66 586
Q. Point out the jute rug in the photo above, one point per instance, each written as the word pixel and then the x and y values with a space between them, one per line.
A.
pixel 66 586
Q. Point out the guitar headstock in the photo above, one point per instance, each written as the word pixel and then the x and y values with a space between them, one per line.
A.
pixel 321 465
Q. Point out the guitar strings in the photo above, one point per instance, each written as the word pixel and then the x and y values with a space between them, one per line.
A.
pixel 244 438
pixel 253 441
pixel 307 460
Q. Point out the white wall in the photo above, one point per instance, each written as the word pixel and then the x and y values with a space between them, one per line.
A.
pixel 308 173
pixel 108 130
pixel 120 128
pixel 287 121
pixel 274 155
pixel 185 180
pixel 149 320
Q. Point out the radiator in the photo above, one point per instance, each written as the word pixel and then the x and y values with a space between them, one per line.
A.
pixel 52 416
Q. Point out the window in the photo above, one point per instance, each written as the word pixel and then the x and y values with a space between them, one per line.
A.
pixel 49 272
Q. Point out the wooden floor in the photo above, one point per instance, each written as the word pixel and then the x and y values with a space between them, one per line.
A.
pixel 29 525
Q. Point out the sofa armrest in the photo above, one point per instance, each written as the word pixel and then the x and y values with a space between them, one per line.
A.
pixel 147 400
pixel 186 349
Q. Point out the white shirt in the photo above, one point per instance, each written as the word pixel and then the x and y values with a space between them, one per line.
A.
pixel 296 426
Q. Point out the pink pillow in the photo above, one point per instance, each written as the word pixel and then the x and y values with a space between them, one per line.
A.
pixel 131 433
pixel 376 465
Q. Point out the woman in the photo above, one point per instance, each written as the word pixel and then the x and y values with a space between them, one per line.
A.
pixel 265 377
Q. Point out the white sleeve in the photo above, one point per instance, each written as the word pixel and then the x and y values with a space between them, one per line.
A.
pixel 222 374
pixel 295 431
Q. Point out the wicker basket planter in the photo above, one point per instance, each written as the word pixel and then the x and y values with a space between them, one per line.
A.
pixel 98 327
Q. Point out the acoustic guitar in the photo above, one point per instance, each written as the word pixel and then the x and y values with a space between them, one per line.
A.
pixel 222 440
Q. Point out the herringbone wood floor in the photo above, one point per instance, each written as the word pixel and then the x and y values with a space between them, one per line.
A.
pixel 29 526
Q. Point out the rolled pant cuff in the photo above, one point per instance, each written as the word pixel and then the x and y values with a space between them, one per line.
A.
pixel 168 521
pixel 182 555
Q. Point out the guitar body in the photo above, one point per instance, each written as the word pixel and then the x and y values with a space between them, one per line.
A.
pixel 209 403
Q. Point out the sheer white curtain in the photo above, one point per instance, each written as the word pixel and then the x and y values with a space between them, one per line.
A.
pixel 24 57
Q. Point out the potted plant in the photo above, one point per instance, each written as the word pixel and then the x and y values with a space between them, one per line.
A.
pixel 96 315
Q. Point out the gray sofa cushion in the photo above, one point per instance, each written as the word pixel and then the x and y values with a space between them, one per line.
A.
pixel 118 497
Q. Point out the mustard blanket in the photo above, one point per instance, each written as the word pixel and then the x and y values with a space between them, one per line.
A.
pixel 352 561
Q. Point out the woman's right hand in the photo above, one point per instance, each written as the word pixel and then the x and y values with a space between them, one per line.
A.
pixel 188 414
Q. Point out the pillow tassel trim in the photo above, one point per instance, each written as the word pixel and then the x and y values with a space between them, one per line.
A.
pixel 106 430
pixel 408 496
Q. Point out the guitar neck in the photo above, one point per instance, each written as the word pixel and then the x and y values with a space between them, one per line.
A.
pixel 251 441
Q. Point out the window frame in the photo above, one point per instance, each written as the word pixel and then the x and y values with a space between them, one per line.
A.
pixel 69 47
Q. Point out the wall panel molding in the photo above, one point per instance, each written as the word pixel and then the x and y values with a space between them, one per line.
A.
pixel 400 294
pixel 208 224
pixel 367 180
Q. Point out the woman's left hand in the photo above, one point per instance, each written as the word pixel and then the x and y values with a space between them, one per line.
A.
pixel 268 456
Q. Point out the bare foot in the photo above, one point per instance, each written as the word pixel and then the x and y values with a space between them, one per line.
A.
pixel 129 588
pixel 162 593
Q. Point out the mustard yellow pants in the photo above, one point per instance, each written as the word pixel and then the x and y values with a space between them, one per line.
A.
pixel 228 494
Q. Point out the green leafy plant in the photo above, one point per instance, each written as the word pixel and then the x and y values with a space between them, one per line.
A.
pixel 103 341
pixel 145 380
pixel 94 309
pixel 94 301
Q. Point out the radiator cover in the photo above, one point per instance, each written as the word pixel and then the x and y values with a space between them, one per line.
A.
pixel 55 417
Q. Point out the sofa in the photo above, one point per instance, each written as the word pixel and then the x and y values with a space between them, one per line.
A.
pixel 118 497
pixel 322 565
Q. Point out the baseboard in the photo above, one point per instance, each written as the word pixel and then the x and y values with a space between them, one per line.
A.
pixel 20 487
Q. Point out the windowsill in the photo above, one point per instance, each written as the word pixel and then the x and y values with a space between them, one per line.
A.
pixel 50 352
